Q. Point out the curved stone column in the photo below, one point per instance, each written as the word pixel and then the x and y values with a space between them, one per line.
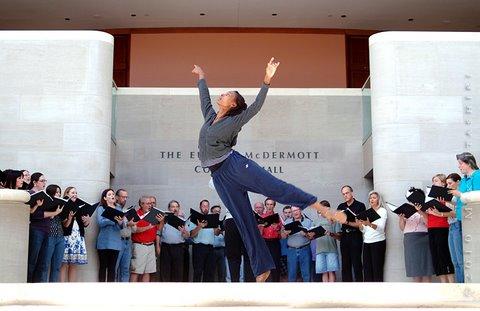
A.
pixel 55 103
pixel 14 221
pixel 421 86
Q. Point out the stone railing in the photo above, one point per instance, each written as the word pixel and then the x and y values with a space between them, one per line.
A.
pixel 14 220
pixel 471 236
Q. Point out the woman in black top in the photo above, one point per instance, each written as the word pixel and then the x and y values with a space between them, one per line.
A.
pixel 40 220
pixel 234 175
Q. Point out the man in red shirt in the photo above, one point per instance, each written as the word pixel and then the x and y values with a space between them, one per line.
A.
pixel 271 235
pixel 143 248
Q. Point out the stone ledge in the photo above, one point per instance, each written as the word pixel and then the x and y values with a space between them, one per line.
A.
pixel 215 91
pixel 471 197
pixel 10 195
pixel 240 295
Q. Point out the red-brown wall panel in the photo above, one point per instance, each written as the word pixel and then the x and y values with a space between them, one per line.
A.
pixel 238 59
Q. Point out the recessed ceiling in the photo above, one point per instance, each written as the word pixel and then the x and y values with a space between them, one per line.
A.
pixel 461 15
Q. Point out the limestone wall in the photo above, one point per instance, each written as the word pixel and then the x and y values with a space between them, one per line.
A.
pixel 425 91
pixel 309 137
pixel 55 105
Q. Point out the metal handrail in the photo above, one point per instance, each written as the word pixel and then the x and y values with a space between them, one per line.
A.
pixel 366 82
pixel 367 109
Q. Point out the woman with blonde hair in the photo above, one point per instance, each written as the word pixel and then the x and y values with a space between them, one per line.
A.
pixel 74 233
pixel 374 241
pixel 437 224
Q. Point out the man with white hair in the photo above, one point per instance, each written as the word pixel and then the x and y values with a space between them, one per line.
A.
pixel 298 252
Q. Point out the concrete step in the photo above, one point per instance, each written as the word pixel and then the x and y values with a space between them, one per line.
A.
pixel 214 296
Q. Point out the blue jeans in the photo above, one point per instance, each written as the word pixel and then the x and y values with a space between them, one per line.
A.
pixel 123 261
pixel 36 244
pixel 51 257
pixel 301 256
pixel 456 250
pixel 233 180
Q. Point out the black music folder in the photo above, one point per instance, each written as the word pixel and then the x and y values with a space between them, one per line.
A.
pixel 407 209
pixel 436 204
pixel 319 231
pixel 71 206
pixel 267 220
pixel 439 192
pixel 86 209
pixel 213 220
pixel 415 196
pixel 370 213
pixel 41 195
pixel 222 223
pixel 66 209
pixel 111 213
pixel 350 215
pixel 58 202
pixel 152 214
pixel 294 227
pixel 174 221
pixel 131 213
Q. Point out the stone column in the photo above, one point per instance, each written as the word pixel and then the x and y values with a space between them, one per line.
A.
pixel 424 86
pixel 55 103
